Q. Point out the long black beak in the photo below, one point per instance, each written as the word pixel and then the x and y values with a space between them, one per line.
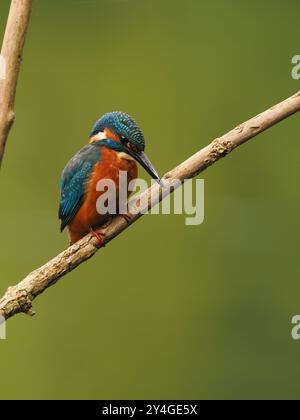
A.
pixel 142 159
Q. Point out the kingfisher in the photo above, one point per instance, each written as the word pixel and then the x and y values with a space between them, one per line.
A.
pixel 116 143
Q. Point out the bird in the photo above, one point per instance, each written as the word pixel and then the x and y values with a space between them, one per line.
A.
pixel 116 143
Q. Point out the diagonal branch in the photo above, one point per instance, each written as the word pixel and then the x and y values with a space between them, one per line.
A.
pixel 19 298
pixel 11 57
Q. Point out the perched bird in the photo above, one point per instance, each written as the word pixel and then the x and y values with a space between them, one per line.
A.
pixel 116 143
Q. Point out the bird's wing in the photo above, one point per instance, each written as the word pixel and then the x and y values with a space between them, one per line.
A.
pixel 74 180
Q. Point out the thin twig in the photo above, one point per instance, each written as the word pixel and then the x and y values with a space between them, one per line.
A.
pixel 11 56
pixel 19 298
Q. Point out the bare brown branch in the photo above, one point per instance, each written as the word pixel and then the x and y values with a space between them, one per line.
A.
pixel 11 53
pixel 19 298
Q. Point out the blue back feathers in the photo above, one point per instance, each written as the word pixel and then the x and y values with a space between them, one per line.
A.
pixel 76 175
pixel 73 182
pixel 123 125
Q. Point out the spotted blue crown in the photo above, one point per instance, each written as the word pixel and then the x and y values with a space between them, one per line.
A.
pixel 123 125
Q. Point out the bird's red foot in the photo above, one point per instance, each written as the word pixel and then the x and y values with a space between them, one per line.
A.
pixel 99 237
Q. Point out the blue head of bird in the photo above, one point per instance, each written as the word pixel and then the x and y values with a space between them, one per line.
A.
pixel 122 128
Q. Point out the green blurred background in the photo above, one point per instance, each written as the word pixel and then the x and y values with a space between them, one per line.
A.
pixel 166 310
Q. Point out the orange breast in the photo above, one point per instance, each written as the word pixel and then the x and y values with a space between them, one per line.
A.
pixel 109 167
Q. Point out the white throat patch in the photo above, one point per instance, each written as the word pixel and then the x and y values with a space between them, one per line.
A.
pixel 125 156
pixel 99 136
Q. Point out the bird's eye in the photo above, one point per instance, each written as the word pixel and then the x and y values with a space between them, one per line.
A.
pixel 124 140
pixel 134 148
